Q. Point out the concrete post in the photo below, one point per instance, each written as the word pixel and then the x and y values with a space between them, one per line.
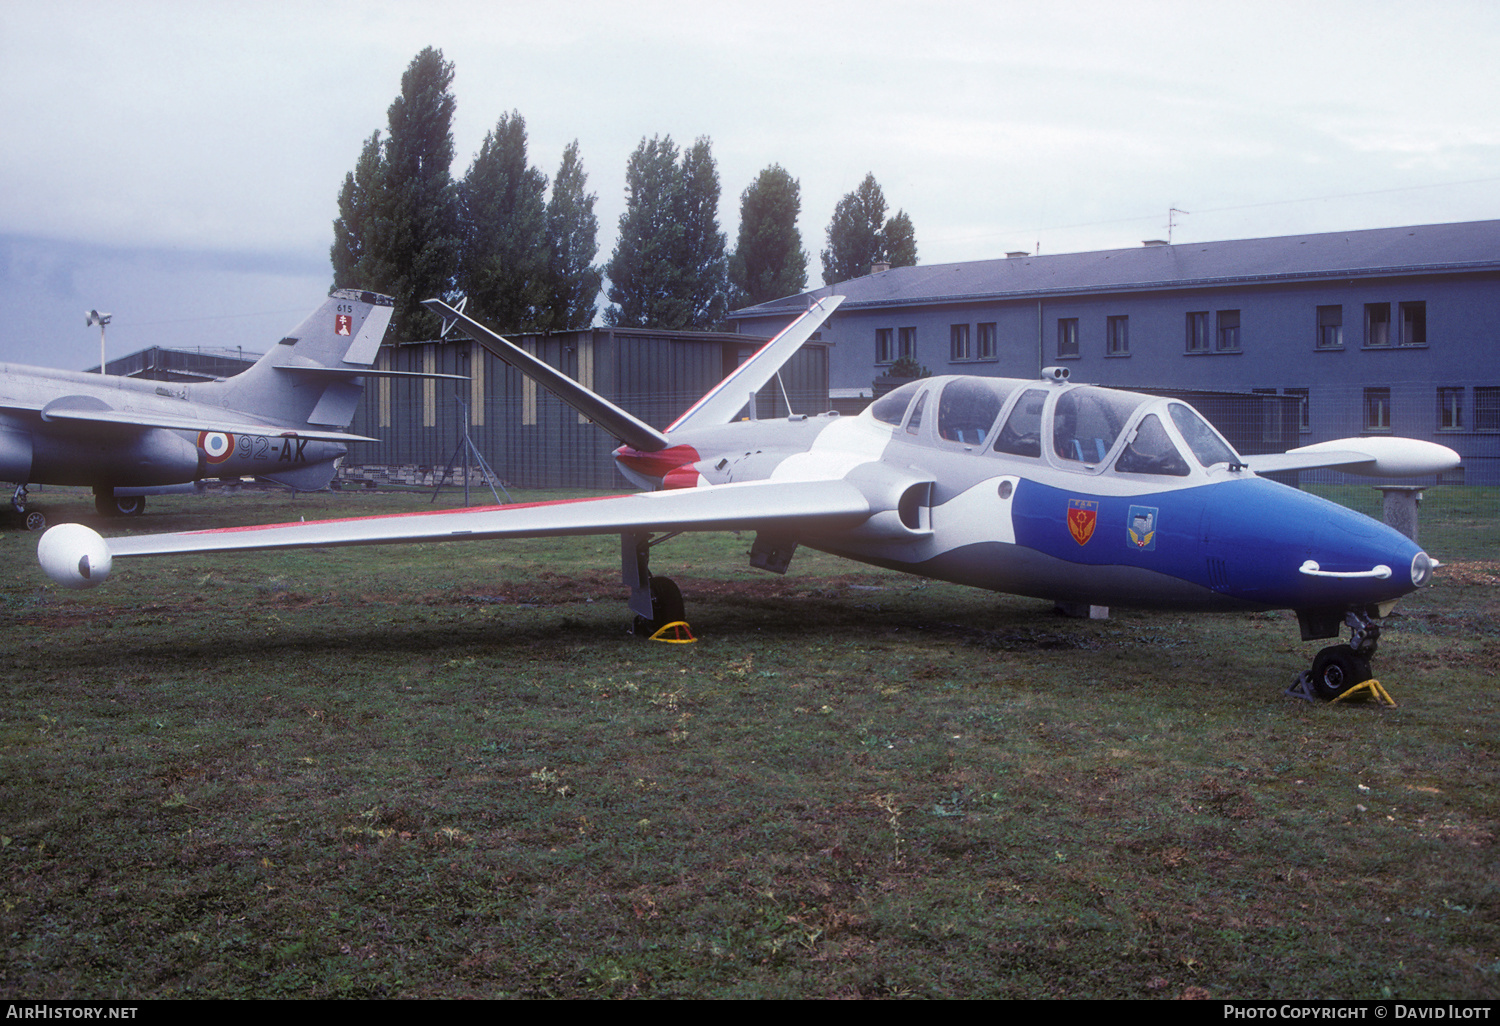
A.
pixel 1401 503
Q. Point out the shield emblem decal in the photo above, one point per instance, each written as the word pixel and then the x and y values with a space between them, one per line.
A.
pixel 1141 527
pixel 1083 514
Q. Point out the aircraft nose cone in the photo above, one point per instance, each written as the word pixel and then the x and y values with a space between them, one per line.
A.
pixel 1421 570
pixel 1383 563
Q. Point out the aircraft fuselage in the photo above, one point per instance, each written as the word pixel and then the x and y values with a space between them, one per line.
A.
pixel 1108 502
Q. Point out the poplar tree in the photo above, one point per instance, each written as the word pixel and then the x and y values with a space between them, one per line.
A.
pixel 768 261
pixel 705 266
pixel 398 230
pixel 503 264
pixel 573 279
pixel 668 269
pixel 859 235
pixel 855 235
pixel 900 241
pixel 356 251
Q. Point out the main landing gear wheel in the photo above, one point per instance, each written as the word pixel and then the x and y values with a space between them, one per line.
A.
pixel 1337 669
pixel 119 505
pixel 666 607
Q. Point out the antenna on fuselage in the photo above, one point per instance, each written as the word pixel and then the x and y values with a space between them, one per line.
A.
pixel 101 319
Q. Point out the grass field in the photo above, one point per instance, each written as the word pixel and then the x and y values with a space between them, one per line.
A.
pixel 447 771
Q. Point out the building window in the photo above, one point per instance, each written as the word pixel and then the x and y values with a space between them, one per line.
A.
pixel 1229 331
pixel 884 348
pixel 1117 336
pixel 908 347
pixel 1377 324
pixel 1377 409
pixel 1067 337
pixel 1197 332
pixel 1413 324
pixel 987 348
pixel 1487 409
pixel 958 342
pixel 1450 409
pixel 1330 327
pixel 1304 421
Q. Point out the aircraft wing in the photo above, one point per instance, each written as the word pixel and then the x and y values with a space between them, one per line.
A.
pixel 207 422
pixel 75 556
pixel 1372 457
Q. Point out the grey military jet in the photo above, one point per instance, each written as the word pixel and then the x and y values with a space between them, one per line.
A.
pixel 282 420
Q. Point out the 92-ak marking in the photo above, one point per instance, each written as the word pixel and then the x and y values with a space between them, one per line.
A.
pixel 260 447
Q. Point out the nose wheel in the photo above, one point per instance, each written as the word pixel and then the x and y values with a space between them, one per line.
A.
pixel 32 520
pixel 1338 669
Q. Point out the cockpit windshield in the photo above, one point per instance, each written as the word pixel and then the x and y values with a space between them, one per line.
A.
pixel 1151 451
pixel 1022 433
pixel 891 407
pixel 969 406
pixel 1087 421
pixel 1205 443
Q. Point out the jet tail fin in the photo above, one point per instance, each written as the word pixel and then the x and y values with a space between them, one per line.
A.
pixel 729 396
pixel 625 426
pixel 344 332
pixel 719 406
pixel 327 352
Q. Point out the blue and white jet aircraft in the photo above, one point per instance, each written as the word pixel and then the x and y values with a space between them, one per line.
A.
pixel 1044 488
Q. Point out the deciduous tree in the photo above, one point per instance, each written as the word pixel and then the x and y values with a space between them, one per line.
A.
pixel 573 279
pixel 855 239
pixel 859 235
pixel 768 261
pixel 356 252
pixel 668 269
pixel 398 232
pixel 900 241
pixel 503 266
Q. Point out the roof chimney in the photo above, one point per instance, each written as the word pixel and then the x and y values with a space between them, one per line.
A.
pixel 880 265
pixel 1016 253
pixel 1153 242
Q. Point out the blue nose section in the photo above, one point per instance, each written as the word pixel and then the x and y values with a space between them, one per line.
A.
pixel 1284 548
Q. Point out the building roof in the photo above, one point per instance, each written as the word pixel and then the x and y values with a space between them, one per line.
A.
pixel 1434 248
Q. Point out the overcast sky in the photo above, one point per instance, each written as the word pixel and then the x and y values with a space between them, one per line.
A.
pixel 178 164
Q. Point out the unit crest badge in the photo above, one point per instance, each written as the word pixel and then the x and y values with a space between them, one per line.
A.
pixel 1083 514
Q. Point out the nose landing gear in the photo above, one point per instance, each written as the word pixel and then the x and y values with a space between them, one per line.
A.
pixel 1339 669
pixel 32 520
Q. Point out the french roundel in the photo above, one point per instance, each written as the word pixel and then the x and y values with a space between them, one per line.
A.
pixel 216 446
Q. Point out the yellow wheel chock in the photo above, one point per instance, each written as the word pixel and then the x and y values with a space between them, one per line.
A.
pixel 1370 689
pixel 677 633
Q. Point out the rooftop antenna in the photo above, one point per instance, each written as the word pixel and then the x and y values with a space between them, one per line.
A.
pixel 95 317
pixel 1172 222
